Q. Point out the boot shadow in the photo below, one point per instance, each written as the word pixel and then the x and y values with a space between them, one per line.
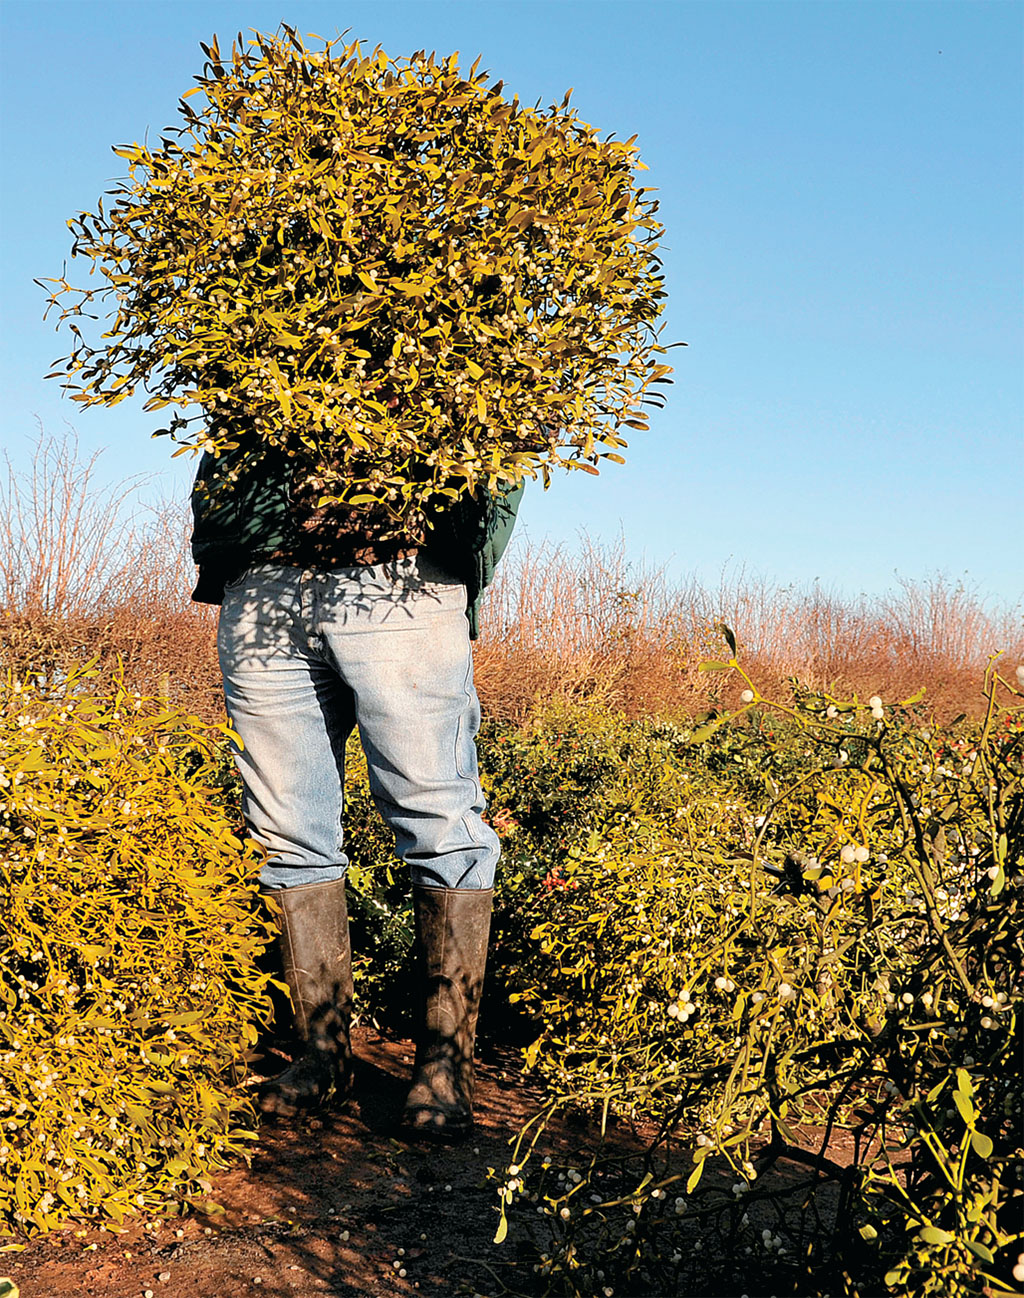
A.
pixel 379 1090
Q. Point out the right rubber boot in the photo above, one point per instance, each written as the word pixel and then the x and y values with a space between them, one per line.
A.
pixel 452 930
pixel 316 956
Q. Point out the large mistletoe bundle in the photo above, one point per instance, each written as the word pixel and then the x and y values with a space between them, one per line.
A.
pixel 382 267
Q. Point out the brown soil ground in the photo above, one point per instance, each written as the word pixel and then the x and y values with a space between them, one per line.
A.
pixel 329 1205
pixel 339 1204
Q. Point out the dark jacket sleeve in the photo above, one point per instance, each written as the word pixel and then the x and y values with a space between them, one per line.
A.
pixel 469 539
pixel 239 507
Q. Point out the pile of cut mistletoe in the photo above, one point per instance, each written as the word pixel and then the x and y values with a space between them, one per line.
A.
pixel 383 267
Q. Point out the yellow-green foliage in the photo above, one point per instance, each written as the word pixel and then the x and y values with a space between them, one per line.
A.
pixel 800 917
pixel 382 266
pixel 129 991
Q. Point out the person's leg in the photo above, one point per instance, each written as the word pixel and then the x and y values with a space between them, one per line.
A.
pixel 293 715
pixel 399 637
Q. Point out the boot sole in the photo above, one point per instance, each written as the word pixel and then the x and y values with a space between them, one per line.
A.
pixel 422 1124
pixel 273 1104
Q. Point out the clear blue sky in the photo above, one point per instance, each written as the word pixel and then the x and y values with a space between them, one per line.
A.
pixel 840 181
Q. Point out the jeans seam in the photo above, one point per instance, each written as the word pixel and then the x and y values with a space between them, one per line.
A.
pixel 478 792
pixel 460 727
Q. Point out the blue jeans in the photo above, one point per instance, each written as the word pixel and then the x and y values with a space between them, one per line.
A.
pixel 308 654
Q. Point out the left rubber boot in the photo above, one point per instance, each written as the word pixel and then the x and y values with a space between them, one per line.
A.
pixel 452 930
pixel 317 959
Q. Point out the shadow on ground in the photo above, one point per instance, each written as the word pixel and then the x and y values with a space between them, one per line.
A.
pixel 328 1207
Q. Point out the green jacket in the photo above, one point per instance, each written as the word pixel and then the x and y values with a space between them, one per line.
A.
pixel 238 518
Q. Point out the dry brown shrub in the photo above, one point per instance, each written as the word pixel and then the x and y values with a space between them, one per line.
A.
pixel 593 624
pixel 90 571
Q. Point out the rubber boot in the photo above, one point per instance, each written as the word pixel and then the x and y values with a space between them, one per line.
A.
pixel 317 959
pixel 452 929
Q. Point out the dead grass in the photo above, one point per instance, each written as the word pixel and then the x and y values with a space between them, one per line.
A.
pixel 595 624
pixel 92 571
